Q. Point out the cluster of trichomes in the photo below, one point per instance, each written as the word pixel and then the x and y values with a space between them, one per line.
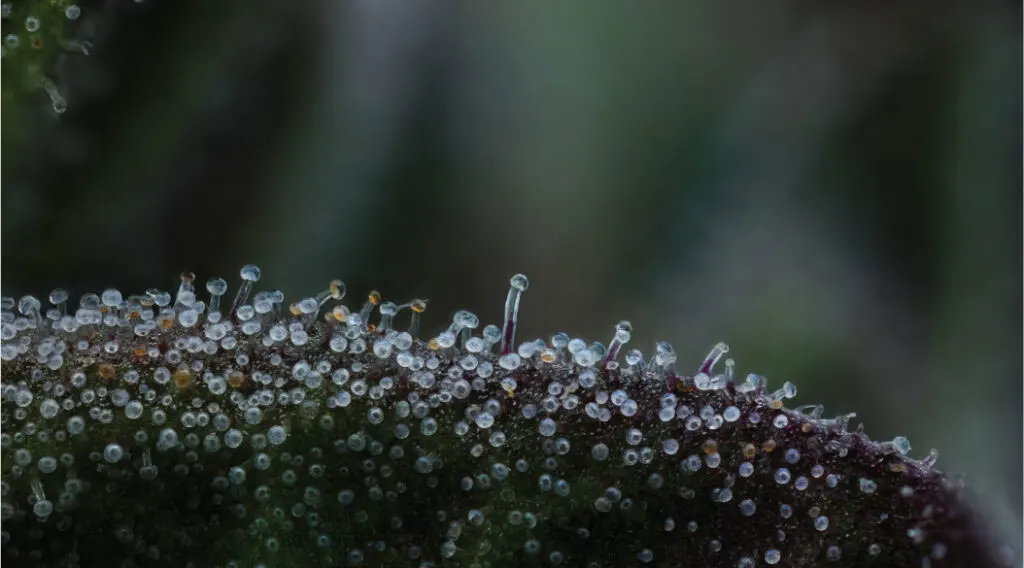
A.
pixel 162 430
pixel 35 34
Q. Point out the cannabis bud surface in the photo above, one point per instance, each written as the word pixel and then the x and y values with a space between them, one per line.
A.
pixel 162 430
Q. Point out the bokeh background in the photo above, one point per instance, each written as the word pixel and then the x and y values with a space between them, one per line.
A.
pixel 833 188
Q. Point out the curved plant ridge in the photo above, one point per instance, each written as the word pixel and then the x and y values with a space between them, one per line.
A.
pixel 199 429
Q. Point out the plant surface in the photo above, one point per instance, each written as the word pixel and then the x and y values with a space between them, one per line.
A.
pixel 163 430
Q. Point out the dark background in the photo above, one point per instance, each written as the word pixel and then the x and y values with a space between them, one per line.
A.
pixel 833 188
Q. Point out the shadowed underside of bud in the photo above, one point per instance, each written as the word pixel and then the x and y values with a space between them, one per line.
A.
pixel 161 430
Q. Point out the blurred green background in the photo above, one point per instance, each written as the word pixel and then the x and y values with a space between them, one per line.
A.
pixel 833 188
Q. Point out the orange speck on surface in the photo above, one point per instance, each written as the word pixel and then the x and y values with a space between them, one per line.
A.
pixel 548 357
pixel 139 351
pixel 710 447
pixel 749 451
pixel 768 445
pixel 167 323
pixel 374 297
pixel 433 344
pixel 182 378
pixel 236 379
pixel 107 371
pixel 775 405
